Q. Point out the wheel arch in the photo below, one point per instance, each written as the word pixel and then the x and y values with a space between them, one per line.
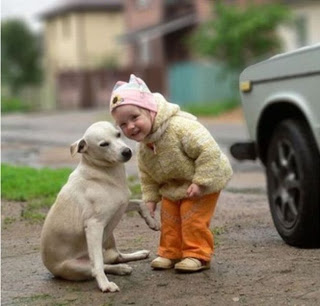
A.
pixel 270 117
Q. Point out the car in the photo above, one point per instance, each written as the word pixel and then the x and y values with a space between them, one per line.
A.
pixel 281 104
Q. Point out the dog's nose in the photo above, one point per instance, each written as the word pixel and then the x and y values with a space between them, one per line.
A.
pixel 126 153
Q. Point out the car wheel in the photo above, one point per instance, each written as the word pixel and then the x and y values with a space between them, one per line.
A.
pixel 293 179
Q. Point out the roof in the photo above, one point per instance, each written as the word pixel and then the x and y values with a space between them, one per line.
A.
pixel 160 29
pixel 67 6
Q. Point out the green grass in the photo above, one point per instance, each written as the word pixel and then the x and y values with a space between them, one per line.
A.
pixel 135 187
pixel 211 109
pixel 39 188
pixel 32 299
pixel 10 105
pixel 22 183
pixel 217 231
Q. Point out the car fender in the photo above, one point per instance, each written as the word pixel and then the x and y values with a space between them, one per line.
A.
pixel 299 102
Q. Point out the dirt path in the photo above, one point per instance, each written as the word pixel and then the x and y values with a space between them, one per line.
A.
pixel 251 265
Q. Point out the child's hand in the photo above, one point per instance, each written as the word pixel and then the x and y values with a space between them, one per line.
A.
pixel 152 207
pixel 194 191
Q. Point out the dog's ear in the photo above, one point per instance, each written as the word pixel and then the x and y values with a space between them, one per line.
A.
pixel 79 146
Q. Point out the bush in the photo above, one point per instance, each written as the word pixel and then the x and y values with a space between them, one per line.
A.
pixel 10 105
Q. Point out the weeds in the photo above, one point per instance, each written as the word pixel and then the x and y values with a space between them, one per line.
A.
pixel 9 220
pixel 217 231
pixel 33 298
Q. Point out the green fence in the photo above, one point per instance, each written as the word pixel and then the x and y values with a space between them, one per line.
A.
pixel 198 82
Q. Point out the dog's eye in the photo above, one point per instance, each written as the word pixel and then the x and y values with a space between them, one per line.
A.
pixel 104 144
pixel 118 135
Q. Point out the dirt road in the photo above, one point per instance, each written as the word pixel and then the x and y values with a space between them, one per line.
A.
pixel 251 264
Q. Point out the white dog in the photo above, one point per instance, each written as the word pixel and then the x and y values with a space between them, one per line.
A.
pixel 77 241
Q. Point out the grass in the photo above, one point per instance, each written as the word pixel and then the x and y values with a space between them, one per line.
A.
pixel 33 298
pixel 11 105
pixel 135 187
pixel 39 188
pixel 217 231
pixel 211 109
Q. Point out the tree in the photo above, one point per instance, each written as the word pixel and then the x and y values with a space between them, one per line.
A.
pixel 20 55
pixel 237 35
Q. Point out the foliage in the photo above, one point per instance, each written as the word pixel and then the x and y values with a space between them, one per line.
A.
pixel 20 55
pixel 110 62
pixel 9 105
pixel 237 35
pixel 211 109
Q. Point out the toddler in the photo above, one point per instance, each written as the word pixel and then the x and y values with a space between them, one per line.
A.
pixel 181 165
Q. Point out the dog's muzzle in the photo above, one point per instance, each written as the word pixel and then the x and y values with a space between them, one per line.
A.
pixel 126 153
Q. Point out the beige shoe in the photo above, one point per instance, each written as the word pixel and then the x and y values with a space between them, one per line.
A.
pixel 190 264
pixel 162 263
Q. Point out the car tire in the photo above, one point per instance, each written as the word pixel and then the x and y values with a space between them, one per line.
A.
pixel 293 181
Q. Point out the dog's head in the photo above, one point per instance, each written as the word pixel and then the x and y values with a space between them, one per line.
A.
pixel 102 143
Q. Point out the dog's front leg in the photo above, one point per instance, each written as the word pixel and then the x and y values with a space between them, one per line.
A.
pixel 140 207
pixel 94 235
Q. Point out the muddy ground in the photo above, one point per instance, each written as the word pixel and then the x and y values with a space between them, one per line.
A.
pixel 251 265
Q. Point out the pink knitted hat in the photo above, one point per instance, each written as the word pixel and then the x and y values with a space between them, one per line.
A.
pixel 135 92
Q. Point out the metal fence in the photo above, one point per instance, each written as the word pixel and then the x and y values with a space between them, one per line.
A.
pixel 201 82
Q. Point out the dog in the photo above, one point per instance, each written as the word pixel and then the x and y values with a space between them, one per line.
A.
pixel 77 241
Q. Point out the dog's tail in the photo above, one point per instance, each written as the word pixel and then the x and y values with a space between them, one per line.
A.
pixel 140 207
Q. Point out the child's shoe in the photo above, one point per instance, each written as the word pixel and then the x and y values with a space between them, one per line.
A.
pixel 191 264
pixel 161 263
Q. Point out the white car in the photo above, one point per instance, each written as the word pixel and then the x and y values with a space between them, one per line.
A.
pixel 281 104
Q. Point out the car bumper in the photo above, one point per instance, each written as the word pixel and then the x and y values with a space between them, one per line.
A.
pixel 244 150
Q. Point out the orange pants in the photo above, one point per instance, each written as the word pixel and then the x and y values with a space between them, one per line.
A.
pixel 185 228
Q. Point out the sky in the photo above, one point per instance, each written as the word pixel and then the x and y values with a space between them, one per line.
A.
pixel 26 9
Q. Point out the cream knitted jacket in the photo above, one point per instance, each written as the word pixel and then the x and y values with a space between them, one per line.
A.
pixel 184 152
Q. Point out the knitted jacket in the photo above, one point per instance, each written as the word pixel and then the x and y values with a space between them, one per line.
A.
pixel 179 151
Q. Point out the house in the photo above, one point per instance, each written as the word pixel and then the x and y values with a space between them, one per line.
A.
pixel 157 31
pixel 80 36
pixel 91 44
pixel 304 30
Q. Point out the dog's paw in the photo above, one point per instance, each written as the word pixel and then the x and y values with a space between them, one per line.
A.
pixel 145 214
pixel 153 224
pixel 124 269
pixel 109 287
pixel 144 254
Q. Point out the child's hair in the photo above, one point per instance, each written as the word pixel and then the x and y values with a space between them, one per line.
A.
pixel 135 92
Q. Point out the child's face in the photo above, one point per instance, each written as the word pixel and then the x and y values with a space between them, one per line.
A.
pixel 135 122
